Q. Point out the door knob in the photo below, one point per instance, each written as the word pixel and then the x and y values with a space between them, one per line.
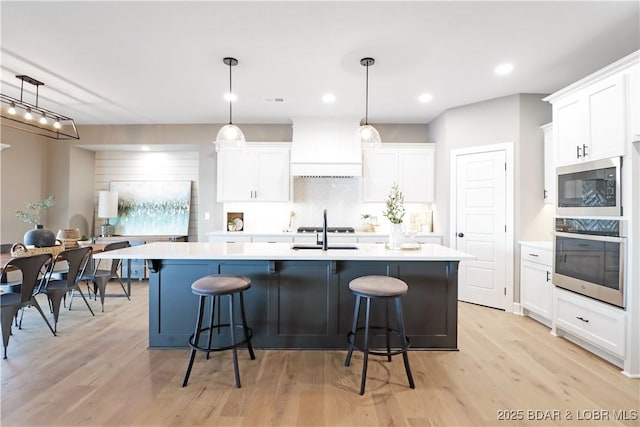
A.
pixel 460 234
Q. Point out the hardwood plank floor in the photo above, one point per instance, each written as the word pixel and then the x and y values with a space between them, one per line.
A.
pixel 99 372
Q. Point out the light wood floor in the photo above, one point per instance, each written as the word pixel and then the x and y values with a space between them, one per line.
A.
pixel 99 372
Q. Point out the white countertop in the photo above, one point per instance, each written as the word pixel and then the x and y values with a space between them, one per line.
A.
pixel 296 234
pixel 279 252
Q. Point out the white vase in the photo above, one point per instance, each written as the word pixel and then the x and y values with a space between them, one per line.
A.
pixel 396 236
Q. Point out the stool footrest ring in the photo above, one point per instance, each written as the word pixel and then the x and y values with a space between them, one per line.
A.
pixel 405 347
pixel 228 347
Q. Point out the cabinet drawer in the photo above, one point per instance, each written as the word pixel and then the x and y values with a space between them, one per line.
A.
pixel 537 255
pixel 595 322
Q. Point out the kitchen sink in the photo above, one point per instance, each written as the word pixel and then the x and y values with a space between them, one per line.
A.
pixel 319 247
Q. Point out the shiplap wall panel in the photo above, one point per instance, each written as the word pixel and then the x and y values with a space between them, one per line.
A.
pixel 150 166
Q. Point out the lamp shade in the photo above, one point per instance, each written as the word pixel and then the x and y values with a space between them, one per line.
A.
pixel 107 204
pixel 230 136
pixel 369 136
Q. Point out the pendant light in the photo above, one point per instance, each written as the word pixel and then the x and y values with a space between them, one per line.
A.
pixel 369 136
pixel 230 135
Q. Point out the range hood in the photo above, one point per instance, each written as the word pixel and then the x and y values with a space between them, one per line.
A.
pixel 325 147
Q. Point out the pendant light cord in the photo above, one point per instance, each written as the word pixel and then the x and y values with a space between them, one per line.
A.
pixel 366 97
pixel 230 94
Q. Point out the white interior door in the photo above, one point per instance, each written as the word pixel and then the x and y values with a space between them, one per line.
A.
pixel 480 226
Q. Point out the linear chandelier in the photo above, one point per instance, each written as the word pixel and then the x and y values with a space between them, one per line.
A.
pixel 32 118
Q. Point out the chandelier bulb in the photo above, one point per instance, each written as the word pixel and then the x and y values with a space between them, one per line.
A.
pixel 28 114
pixel 12 108
pixel 56 124
pixel 43 119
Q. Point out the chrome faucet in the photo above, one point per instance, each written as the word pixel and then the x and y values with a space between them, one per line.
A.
pixel 324 232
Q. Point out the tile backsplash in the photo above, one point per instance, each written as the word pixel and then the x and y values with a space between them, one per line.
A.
pixel 310 195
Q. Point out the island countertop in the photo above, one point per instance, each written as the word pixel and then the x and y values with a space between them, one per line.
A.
pixel 281 251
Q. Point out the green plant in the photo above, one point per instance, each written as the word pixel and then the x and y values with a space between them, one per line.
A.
pixel 32 214
pixel 395 205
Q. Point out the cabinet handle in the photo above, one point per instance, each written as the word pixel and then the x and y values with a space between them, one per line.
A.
pixel 578 151
pixel 584 150
pixel 533 255
pixel 460 234
pixel 584 320
pixel 548 276
pixel 545 194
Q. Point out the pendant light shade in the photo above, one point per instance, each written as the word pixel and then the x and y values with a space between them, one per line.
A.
pixel 230 135
pixel 369 136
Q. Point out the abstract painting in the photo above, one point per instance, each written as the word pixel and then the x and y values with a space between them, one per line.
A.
pixel 152 208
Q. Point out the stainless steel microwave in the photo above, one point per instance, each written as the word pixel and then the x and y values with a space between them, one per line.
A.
pixel 590 188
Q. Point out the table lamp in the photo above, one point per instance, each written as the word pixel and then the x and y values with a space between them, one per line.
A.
pixel 107 208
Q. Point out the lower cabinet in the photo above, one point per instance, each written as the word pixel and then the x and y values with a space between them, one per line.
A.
pixel 305 304
pixel 536 290
pixel 596 323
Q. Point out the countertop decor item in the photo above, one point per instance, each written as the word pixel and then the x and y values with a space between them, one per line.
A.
pixel 395 205
pixel 32 118
pixel 369 136
pixel 230 135
pixel 395 213
pixel 38 236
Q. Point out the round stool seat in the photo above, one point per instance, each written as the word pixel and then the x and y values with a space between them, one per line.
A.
pixel 220 285
pixel 378 286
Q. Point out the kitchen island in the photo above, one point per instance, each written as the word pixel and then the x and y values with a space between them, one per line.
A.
pixel 300 298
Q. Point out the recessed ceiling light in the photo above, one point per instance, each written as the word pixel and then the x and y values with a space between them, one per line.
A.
pixel 329 98
pixel 230 97
pixel 425 97
pixel 503 69
pixel 144 148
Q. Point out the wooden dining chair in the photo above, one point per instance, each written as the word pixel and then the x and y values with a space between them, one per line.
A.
pixel 11 302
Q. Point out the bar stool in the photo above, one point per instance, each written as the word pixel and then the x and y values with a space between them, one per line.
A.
pixel 214 286
pixel 385 288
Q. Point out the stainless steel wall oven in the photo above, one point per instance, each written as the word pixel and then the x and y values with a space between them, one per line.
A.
pixel 590 188
pixel 589 257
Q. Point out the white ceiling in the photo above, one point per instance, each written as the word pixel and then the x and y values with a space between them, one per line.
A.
pixel 161 62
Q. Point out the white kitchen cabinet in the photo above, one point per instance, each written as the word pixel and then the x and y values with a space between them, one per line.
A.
pixel 254 174
pixel 536 290
pixel 411 166
pixel 549 166
pixel 590 116
pixel 594 322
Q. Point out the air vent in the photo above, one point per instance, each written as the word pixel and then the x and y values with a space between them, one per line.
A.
pixel 276 99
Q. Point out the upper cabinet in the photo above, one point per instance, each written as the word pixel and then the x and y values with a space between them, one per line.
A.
pixel 411 166
pixel 258 174
pixel 590 116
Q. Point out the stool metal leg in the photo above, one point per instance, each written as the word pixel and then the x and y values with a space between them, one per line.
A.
pixel 403 337
pixel 356 315
pixel 195 338
pixel 213 309
pixel 366 347
pixel 244 327
pixel 386 313
pixel 232 322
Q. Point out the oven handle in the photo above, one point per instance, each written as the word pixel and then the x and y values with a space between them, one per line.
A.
pixel 614 239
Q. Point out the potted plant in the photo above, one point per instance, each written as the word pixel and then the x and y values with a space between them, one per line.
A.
pixel 38 236
pixel 394 211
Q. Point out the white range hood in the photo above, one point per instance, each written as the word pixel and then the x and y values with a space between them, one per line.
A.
pixel 325 147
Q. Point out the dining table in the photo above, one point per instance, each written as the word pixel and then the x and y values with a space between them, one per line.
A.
pixel 96 248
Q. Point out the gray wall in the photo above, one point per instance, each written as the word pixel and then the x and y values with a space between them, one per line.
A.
pixel 24 169
pixel 516 119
